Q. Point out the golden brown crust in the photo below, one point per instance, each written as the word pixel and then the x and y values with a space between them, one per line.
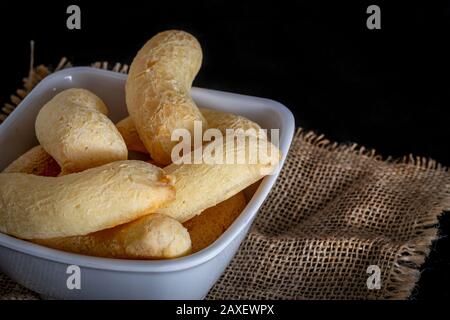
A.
pixel 35 207
pixel 216 119
pixel 130 135
pixel 150 237
pixel 35 161
pixel 158 90
pixel 153 236
pixel 207 227
pixel 225 120
pixel 74 129
pixel 201 186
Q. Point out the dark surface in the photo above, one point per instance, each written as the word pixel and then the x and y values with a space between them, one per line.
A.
pixel 385 89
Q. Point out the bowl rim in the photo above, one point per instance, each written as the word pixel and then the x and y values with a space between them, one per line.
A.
pixel 243 221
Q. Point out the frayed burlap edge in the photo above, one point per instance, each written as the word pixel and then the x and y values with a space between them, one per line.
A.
pixel 405 273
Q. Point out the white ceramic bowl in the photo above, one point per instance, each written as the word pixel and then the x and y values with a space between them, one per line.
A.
pixel 44 270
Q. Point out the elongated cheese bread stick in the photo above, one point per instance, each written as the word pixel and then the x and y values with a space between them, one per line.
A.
pixel 158 90
pixel 74 129
pixel 154 236
pixel 208 226
pixel 150 237
pixel 201 186
pixel 35 207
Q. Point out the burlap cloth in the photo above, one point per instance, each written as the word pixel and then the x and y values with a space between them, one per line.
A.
pixel 334 211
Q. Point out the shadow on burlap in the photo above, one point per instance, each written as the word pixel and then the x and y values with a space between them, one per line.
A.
pixel 334 211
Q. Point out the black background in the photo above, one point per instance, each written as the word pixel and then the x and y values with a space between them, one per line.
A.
pixel 385 89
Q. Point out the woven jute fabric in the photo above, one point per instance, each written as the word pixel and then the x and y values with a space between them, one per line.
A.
pixel 335 212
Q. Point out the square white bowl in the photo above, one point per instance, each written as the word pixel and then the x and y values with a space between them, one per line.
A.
pixel 44 270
